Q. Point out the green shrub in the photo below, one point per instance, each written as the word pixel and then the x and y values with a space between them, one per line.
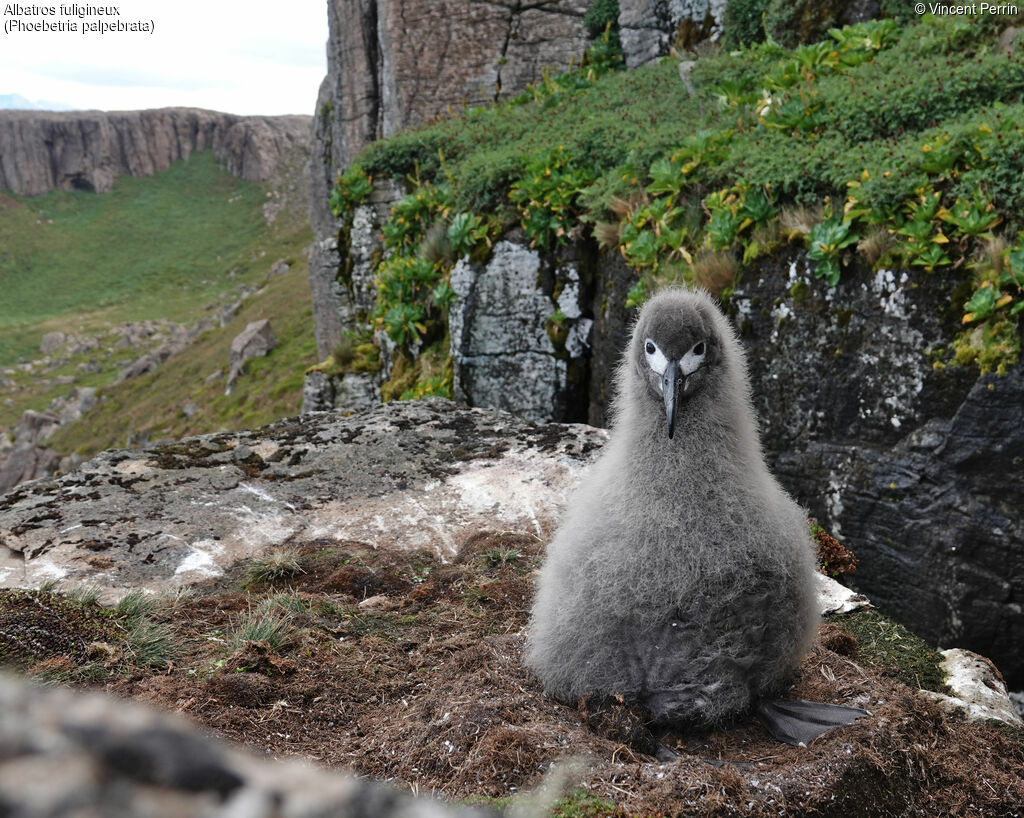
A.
pixel 600 15
pixel 912 133
pixel 792 22
pixel 743 23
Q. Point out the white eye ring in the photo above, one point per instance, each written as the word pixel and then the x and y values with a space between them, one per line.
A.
pixel 656 359
pixel 693 360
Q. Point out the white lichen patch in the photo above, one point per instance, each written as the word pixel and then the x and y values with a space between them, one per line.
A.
pixel 525 487
pixel 893 367
pixel 744 309
pixel 133 468
pixel 834 501
pixel 201 559
pixel 42 570
pixel 836 598
pixel 780 312
pixel 524 490
pixel 976 688
pixel 578 341
pixel 266 449
pixel 891 294
pixel 569 298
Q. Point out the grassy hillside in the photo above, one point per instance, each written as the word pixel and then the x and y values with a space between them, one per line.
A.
pixel 185 395
pixel 152 247
pixel 884 144
pixel 173 246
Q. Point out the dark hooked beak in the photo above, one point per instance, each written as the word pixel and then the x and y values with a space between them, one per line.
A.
pixel 670 382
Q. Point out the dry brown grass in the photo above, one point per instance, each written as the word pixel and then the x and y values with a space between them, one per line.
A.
pixel 409 669
pixel 607 234
pixel 876 244
pixel 715 270
pixel 797 220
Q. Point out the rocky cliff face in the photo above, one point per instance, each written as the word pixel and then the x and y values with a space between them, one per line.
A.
pixel 88 150
pixel 918 469
pixel 396 63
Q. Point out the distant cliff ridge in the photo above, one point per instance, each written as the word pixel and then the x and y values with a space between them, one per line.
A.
pixel 87 150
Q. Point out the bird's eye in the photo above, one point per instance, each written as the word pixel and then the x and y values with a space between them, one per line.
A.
pixel 699 349
pixel 651 348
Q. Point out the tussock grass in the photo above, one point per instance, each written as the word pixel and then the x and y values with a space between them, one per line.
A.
pixel 152 644
pixel 273 566
pixel 715 270
pixel 876 244
pixel 275 628
pixel 136 605
pixel 288 602
pixel 85 595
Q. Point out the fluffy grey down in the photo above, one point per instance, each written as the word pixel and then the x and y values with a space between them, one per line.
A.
pixel 682 574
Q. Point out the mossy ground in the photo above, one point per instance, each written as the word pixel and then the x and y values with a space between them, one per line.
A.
pixel 893 650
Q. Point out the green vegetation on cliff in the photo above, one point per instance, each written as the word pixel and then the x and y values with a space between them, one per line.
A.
pixel 884 145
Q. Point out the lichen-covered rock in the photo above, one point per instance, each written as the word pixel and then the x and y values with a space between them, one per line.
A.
pixel 27 458
pixel 342 269
pixel 977 688
pixel 73 754
pixel 917 467
pixel 405 475
pixel 351 392
pixel 648 28
pixel 87 150
pixel 511 344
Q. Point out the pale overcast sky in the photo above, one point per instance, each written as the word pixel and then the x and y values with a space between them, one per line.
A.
pixel 239 56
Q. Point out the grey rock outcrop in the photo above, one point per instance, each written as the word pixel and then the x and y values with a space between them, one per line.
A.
pixel 28 458
pixel 175 338
pixel 977 688
pixel 649 28
pixel 406 475
pixel 255 341
pixel 66 754
pixel 52 341
pixel 351 392
pixel 508 351
pixel 88 150
pixel 392 64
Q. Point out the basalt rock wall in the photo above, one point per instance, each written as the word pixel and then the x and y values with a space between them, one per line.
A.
pixel 87 150
pixel 918 468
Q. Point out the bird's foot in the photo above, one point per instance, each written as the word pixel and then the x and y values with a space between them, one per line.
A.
pixel 799 722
